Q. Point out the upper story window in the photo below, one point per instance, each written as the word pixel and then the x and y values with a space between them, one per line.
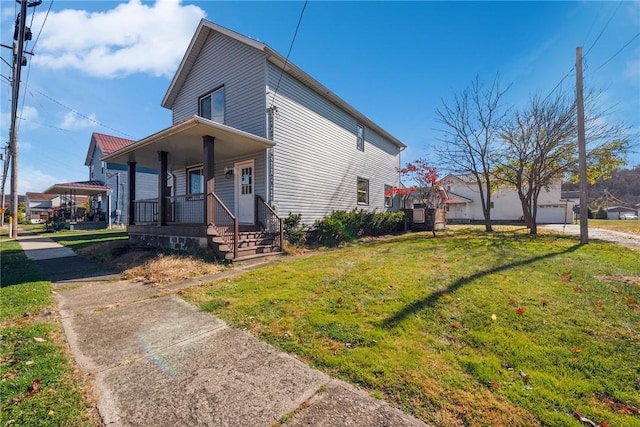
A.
pixel 195 181
pixel 212 106
pixel 360 137
pixel 363 191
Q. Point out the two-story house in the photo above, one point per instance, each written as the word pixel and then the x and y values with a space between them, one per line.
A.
pixel 116 177
pixel 464 203
pixel 253 138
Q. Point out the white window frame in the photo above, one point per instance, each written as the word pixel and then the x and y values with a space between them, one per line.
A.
pixel 388 200
pixel 189 170
pixel 364 192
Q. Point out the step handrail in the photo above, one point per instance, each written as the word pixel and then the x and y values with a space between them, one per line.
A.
pixel 267 218
pixel 224 222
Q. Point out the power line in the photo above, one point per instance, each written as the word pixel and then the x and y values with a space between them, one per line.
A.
pixel 618 52
pixel 286 61
pixel 42 27
pixel 603 30
pixel 26 81
pixel 91 119
pixel 560 82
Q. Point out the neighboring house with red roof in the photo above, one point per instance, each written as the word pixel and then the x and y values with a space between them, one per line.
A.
pixel 116 177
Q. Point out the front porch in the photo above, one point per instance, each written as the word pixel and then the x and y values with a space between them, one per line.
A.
pixel 196 151
pixel 186 229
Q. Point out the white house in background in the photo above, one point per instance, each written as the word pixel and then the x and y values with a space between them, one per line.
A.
pixel 616 212
pixel 253 138
pixel 116 177
pixel 464 203
pixel 39 207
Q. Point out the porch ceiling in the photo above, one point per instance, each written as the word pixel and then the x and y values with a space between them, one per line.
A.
pixel 183 142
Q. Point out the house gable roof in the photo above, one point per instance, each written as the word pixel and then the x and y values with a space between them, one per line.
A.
pixel 205 28
pixel 106 143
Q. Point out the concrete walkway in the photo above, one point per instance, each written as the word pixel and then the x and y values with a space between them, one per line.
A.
pixel 155 360
pixel 625 239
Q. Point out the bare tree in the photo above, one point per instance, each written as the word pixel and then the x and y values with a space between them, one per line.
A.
pixel 540 147
pixel 472 121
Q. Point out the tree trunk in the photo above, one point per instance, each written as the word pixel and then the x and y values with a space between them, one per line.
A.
pixel 526 214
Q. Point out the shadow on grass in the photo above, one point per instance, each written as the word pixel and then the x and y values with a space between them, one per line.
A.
pixel 434 297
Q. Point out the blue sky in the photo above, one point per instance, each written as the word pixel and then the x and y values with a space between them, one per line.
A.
pixel 104 66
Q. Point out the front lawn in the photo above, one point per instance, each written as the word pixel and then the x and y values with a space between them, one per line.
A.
pixel 38 387
pixel 626 226
pixel 465 329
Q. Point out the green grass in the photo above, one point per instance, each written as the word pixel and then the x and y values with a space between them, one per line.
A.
pixel 81 239
pixel 627 226
pixel 410 319
pixel 38 386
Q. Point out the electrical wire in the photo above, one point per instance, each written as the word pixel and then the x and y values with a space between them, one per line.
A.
pixel 618 52
pixel 286 61
pixel 83 115
pixel 42 27
pixel 603 30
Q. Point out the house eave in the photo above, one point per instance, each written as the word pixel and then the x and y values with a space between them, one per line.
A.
pixel 183 141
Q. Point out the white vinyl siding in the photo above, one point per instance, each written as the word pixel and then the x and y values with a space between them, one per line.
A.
pixel 240 68
pixel 315 162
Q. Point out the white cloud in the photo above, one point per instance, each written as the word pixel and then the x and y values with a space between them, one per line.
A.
pixel 74 121
pixel 632 71
pixel 29 118
pixel 130 38
pixel 33 180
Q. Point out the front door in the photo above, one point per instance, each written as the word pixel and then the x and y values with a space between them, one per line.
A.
pixel 245 210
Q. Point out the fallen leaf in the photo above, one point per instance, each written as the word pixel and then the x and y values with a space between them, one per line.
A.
pixel 51 412
pixel 494 384
pixel 545 302
pixel 577 288
pixel 455 325
pixel 10 375
pixel 494 317
pixel 584 419
pixel 38 339
pixel 512 301
pixel 29 362
pixel 520 310
pixel 576 350
pixel 340 300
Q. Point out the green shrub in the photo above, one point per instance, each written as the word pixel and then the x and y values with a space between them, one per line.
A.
pixel 601 213
pixel 343 226
pixel 294 231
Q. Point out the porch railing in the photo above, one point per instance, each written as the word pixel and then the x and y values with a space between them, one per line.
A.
pixel 224 222
pixel 185 209
pixel 145 211
pixel 269 221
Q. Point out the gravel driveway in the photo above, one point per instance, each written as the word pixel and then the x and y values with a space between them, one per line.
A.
pixel 625 239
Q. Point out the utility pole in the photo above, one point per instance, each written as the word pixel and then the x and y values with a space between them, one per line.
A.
pixel 5 171
pixel 582 152
pixel 20 34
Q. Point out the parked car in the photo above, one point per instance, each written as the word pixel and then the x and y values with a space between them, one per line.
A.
pixel 628 216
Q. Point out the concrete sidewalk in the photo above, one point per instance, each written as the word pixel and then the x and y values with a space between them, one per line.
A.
pixel 156 360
